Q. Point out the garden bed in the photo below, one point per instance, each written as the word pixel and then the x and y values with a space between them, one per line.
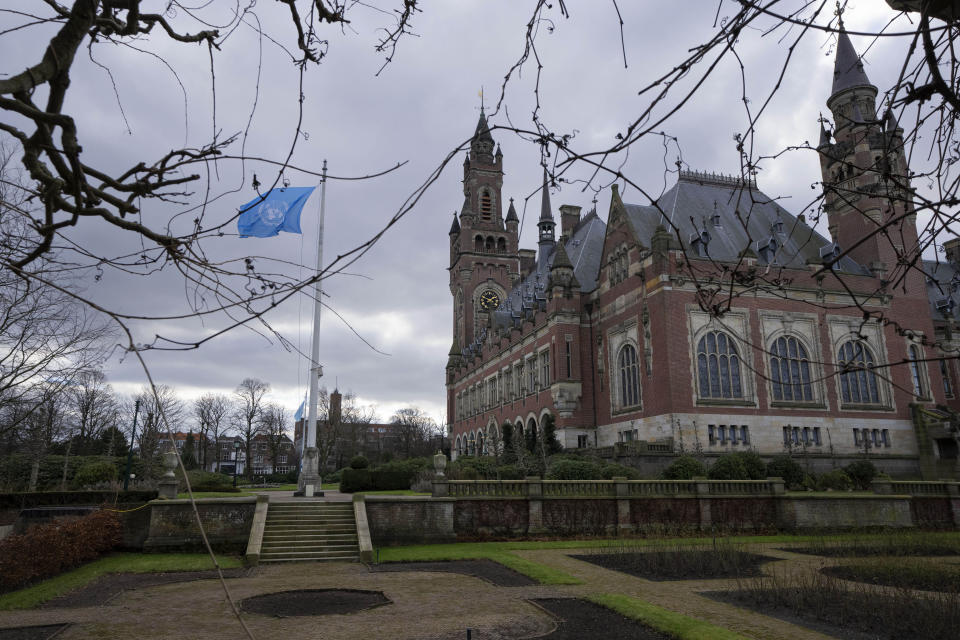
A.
pixel 41 632
pixel 681 563
pixel 923 576
pixel 313 602
pixel 103 589
pixel 580 619
pixel 488 570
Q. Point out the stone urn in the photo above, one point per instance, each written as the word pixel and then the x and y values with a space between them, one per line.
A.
pixel 167 487
pixel 439 463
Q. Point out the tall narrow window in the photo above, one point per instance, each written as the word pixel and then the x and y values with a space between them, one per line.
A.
pixel 531 375
pixel 915 374
pixel 858 382
pixel 744 434
pixel 629 376
pixel 569 358
pixel 486 205
pixel 947 379
pixel 718 367
pixel 790 370
pixel 545 368
pixel 712 434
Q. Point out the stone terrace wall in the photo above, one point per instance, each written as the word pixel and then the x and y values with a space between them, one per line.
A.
pixel 396 520
pixel 173 526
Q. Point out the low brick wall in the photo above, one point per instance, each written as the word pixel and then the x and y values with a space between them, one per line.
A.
pixel 839 512
pixel 226 521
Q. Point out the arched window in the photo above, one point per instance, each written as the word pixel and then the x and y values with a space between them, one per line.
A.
pixel 486 205
pixel 858 382
pixel 629 376
pixel 481 444
pixel 919 389
pixel 471 445
pixel 459 447
pixel 790 370
pixel 478 243
pixel 501 245
pixel 718 367
pixel 531 433
pixel 488 246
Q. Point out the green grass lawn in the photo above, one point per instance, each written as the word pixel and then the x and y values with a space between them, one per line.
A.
pixel 39 593
pixel 676 625
pixel 393 492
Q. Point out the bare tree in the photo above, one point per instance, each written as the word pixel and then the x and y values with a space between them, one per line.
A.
pixel 93 406
pixel 211 411
pixel 274 428
pixel 248 413
pixel 155 403
pixel 415 430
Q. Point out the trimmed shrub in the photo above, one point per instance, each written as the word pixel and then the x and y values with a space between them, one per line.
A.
pixel 573 470
pixel 47 550
pixel 861 472
pixel 728 467
pixel 94 473
pixel 836 480
pixel 684 468
pixel 612 469
pixel 510 472
pixel 208 481
pixel 756 467
pixel 359 462
pixel 355 480
pixel 783 466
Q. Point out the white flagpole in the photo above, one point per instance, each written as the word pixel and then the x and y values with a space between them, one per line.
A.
pixel 310 472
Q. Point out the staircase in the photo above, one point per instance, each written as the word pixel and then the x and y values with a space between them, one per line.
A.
pixel 310 532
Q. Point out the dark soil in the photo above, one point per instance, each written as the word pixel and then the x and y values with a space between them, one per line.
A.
pixel 32 633
pixel 866 552
pixel 581 619
pixel 873 617
pixel 923 578
pixel 106 587
pixel 488 570
pixel 656 566
pixel 313 602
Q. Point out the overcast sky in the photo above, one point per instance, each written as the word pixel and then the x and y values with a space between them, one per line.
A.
pixel 420 107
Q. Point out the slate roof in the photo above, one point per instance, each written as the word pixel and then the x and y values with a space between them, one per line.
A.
pixel 943 288
pixel 733 216
pixel 848 68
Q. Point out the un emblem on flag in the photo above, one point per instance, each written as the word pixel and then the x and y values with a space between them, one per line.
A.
pixel 272 212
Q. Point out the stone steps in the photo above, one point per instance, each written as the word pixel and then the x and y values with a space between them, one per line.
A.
pixel 310 532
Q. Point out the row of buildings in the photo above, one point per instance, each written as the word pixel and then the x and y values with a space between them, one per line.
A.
pixel 228 454
pixel 713 319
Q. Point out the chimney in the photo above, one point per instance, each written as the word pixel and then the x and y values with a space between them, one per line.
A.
pixel 952 249
pixel 334 416
pixel 569 217
pixel 528 262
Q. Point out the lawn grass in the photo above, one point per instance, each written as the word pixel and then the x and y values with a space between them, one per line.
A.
pixel 679 626
pixel 393 492
pixel 39 593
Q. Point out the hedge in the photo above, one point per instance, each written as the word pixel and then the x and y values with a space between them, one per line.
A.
pixel 50 549
pixel 26 500
pixel 352 480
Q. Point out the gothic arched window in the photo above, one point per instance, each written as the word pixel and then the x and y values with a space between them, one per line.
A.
pixel 488 246
pixel 501 245
pixel 459 447
pixel 478 243
pixel 916 376
pixel 790 370
pixel 718 367
pixel 629 376
pixel 486 205
pixel 481 444
pixel 858 382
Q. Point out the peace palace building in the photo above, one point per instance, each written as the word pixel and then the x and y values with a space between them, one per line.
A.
pixel 604 327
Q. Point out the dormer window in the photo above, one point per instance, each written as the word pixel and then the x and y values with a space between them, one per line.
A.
pixel 699 242
pixel 831 253
pixel 767 250
pixel 777 227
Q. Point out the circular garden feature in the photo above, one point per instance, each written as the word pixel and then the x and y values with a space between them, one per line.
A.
pixel 313 602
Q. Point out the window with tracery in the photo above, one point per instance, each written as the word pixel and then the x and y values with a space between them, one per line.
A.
pixel 718 367
pixel 629 376
pixel 916 375
pixel 858 382
pixel 790 370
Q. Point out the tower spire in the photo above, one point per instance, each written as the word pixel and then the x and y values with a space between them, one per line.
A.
pixel 848 67
pixel 546 223
pixel 545 210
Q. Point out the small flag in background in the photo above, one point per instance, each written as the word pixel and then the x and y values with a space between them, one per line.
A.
pixel 279 210
pixel 298 416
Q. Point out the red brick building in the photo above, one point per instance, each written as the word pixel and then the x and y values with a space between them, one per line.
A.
pixel 713 320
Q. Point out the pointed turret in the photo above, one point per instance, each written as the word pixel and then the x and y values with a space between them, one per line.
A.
pixel 512 213
pixel 848 68
pixel 545 210
pixel 481 147
pixel 561 271
pixel 546 225
pixel 455 227
pixel 824 136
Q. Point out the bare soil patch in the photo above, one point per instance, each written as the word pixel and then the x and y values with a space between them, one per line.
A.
pixel 921 576
pixel 313 602
pixel 488 570
pixel 867 551
pixel 42 632
pixel 579 619
pixel 102 590
pixel 702 564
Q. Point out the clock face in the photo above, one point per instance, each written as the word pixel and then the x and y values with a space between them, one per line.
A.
pixel 489 300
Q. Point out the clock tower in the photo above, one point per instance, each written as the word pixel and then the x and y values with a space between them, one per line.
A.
pixel 484 256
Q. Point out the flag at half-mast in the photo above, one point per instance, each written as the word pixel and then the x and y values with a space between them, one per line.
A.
pixel 278 210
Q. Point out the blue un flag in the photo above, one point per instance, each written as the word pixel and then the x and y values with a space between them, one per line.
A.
pixel 278 211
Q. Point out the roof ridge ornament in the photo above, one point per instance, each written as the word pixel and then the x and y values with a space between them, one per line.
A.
pixel 704 177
